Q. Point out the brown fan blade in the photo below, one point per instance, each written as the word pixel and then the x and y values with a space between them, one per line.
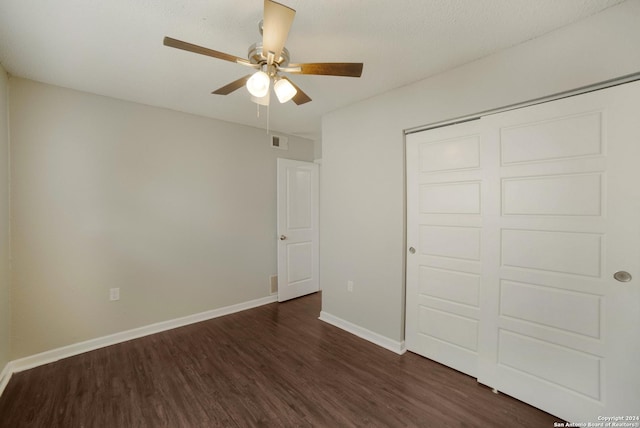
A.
pixel 300 97
pixel 347 69
pixel 179 44
pixel 236 84
pixel 276 24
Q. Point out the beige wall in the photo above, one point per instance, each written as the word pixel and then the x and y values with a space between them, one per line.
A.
pixel 362 200
pixel 317 149
pixel 5 252
pixel 178 211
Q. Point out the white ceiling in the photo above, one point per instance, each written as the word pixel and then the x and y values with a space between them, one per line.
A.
pixel 114 47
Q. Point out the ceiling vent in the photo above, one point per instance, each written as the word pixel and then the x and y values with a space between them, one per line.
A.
pixel 279 141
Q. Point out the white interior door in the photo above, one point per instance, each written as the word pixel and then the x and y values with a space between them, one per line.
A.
pixel 520 221
pixel 444 225
pixel 298 237
pixel 559 331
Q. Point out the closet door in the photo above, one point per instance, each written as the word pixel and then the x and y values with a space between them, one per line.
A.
pixel 444 233
pixel 559 331
pixel 526 270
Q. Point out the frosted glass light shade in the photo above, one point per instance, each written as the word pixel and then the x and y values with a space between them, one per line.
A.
pixel 284 90
pixel 264 101
pixel 258 84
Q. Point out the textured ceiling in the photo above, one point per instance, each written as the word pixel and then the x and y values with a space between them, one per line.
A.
pixel 114 47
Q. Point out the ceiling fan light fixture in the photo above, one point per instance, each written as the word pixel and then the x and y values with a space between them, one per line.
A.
pixel 284 90
pixel 264 101
pixel 258 84
pixel 269 58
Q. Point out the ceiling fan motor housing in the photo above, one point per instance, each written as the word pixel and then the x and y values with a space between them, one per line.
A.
pixel 257 56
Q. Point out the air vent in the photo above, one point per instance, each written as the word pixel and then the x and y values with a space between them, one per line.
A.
pixel 279 141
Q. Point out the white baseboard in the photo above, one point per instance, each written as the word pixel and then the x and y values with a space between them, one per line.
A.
pixel 112 339
pixel 5 376
pixel 385 342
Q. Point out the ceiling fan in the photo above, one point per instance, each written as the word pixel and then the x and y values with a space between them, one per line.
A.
pixel 271 59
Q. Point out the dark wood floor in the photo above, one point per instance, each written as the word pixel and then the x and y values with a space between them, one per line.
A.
pixel 273 366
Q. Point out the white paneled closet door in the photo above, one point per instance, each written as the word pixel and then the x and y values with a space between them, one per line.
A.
pixel 444 232
pixel 559 331
pixel 559 217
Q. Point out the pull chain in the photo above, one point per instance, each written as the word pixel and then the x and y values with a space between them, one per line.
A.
pixel 258 114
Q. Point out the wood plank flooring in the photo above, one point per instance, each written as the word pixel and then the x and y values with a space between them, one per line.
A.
pixel 273 366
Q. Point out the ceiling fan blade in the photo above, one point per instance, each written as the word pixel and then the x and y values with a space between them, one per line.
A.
pixel 300 97
pixel 347 69
pixel 179 44
pixel 236 84
pixel 276 24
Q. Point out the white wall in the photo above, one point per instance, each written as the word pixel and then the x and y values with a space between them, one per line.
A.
pixel 5 248
pixel 178 211
pixel 362 200
pixel 317 149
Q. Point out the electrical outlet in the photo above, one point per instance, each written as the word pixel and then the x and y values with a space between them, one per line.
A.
pixel 273 284
pixel 350 286
pixel 114 294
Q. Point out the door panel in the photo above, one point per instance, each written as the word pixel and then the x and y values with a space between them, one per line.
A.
pixel 444 218
pixel 577 253
pixel 300 261
pixel 560 365
pixel 577 195
pixel 298 258
pixel 569 209
pixel 560 137
pixel 568 311
pixel 453 242
pixel 453 286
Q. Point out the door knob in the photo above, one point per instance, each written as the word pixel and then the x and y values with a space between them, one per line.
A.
pixel 412 250
pixel 622 276
pixel 282 237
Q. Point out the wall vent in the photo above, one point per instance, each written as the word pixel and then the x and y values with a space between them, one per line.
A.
pixel 279 141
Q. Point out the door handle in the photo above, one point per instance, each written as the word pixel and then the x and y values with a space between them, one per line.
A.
pixel 282 237
pixel 622 276
pixel 412 250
